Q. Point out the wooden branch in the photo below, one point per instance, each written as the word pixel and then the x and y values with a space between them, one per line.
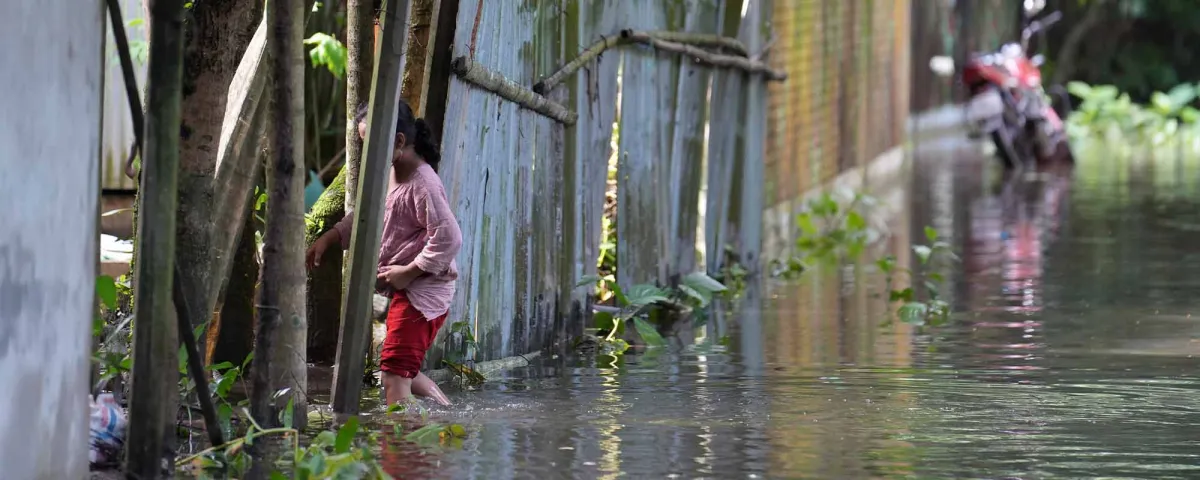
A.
pixel 600 46
pixel 480 76
pixel 131 93
pixel 702 40
pixel 195 362
pixel 704 56
pixel 594 50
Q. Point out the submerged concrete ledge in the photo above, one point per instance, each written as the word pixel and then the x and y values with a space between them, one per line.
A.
pixel 885 178
pixel 487 369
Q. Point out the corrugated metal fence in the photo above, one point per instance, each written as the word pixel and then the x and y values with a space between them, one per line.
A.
pixel 118 132
pixel 529 191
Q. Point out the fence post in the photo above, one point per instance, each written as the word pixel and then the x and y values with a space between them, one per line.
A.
pixel 750 217
pixel 155 335
pixel 368 221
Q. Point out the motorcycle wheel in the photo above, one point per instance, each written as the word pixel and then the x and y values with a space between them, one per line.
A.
pixel 1006 149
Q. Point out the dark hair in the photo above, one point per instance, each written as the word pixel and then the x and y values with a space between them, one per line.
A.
pixel 416 131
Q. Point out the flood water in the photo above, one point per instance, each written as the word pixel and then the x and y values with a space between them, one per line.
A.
pixel 1070 355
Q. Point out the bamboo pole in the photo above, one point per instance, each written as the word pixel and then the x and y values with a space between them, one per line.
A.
pixel 155 361
pixel 368 217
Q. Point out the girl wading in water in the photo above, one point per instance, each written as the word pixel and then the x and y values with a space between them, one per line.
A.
pixel 416 258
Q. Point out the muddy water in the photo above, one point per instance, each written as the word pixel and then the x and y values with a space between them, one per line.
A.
pixel 1070 355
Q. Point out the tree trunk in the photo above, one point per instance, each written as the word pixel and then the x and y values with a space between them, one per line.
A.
pixel 1064 68
pixel 325 281
pixel 217 34
pixel 155 373
pixel 281 339
pixel 418 44
pixel 232 332
pixel 360 22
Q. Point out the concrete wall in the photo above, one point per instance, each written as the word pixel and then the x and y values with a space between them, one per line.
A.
pixel 49 147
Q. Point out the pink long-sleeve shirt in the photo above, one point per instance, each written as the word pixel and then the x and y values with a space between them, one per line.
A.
pixel 418 228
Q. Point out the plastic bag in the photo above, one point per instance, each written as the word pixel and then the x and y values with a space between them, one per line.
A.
pixel 107 429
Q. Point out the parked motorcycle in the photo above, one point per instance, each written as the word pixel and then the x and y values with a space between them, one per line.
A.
pixel 1008 104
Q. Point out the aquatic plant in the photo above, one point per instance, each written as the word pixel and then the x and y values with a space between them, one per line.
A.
pixel 1105 111
pixel 637 304
pixel 930 309
pixel 832 229
pixel 340 454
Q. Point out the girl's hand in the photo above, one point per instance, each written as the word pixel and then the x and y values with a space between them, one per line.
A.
pixel 312 258
pixel 398 277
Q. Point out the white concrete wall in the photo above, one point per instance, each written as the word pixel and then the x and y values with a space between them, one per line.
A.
pixel 51 75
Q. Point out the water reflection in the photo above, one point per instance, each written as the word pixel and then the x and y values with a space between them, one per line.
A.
pixel 1071 354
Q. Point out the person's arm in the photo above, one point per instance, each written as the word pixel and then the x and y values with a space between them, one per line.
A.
pixel 342 229
pixel 338 235
pixel 445 238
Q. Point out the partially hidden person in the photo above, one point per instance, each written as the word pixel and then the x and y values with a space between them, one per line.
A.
pixel 416 271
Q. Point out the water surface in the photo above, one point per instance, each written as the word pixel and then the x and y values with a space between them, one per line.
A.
pixel 1070 355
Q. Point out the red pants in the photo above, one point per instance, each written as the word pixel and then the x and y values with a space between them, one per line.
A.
pixel 409 336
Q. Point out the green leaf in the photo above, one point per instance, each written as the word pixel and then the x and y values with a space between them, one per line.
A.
pixel 225 419
pixel 345 435
pixel 913 313
pixel 700 298
pixel 603 321
pixel 325 439
pixel 587 280
pixel 886 264
pixel 805 221
pixel 905 295
pixel 1080 89
pixel 855 221
pixel 278 476
pixel 288 413
pixel 457 430
pixel 931 234
pixel 648 333
pixel 922 252
pixel 425 435
pixel 135 22
pixel 700 281
pixel 327 51
pixel 1161 103
pixel 106 290
pixel 619 294
pixel 220 367
pixel 645 294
